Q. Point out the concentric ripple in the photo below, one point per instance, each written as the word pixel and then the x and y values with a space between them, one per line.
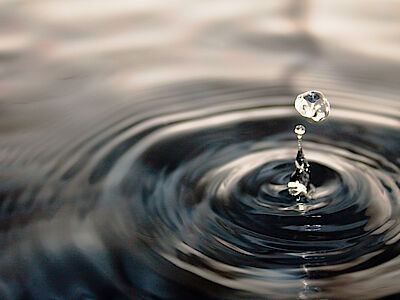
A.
pixel 189 201
pixel 206 192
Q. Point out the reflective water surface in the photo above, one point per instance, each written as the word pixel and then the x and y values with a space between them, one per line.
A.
pixel 146 147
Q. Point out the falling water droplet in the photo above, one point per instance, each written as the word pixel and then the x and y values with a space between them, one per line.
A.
pixel 313 105
pixel 300 179
pixel 299 130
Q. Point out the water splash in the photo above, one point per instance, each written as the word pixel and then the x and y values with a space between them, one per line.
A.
pixel 313 105
pixel 300 180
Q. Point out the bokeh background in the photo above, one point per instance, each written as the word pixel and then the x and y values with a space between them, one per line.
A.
pixel 59 55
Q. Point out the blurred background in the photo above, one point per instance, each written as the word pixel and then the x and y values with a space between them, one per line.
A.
pixel 58 55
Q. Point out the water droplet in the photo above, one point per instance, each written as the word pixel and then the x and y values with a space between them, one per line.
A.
pixel 313 105
pixel 300 130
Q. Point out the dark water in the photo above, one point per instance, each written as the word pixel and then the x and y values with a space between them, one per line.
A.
pixel 130 175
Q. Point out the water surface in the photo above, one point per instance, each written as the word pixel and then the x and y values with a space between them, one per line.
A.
pixel 145 149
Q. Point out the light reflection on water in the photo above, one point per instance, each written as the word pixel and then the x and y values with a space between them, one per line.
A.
pixel 145 145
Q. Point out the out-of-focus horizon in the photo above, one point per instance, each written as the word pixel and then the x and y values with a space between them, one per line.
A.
pixel 97 54
pixel 126 45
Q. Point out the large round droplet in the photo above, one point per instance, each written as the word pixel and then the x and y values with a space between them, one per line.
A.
pixel 313 105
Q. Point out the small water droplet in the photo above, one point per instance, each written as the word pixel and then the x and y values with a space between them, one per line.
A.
pixel 313 105
pixel 300 130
